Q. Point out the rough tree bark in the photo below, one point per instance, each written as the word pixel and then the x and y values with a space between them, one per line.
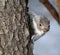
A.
pixel 14 29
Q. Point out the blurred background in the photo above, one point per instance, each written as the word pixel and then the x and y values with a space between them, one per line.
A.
pixel 49 44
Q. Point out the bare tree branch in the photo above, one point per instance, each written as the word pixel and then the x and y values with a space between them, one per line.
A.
pixel 51 9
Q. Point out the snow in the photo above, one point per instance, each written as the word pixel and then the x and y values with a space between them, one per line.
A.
pixel 49 44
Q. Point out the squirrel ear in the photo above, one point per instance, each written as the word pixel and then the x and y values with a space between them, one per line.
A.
pixel 37 18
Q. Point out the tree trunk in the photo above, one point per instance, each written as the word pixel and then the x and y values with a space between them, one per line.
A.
pixel 14 30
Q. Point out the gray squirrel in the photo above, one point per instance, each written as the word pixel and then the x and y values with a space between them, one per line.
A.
pixel 40 25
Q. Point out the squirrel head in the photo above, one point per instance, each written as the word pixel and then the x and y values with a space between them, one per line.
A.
pixel 42 24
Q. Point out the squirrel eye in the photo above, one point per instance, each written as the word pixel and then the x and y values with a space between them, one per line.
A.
pixel 40 24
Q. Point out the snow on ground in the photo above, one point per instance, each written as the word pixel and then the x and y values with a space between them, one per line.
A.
pixel 49 44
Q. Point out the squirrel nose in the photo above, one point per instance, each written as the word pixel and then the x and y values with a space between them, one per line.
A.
pixel 45 30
